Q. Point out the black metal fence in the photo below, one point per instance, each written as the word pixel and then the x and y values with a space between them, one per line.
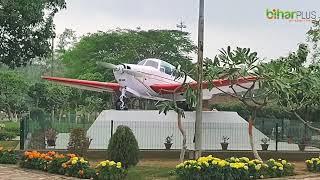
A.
pixel 280 134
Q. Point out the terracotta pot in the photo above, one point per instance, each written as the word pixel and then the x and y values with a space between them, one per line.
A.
pixel 168 145
pixel 224 146
pixel 264 147
pixel 51 142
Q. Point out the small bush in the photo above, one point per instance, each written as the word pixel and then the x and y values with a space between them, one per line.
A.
pixel 33 160
pixel 79 143
pixel 55 166
pixel 110 170
pixel 313 164
pixel 123 147
pixel 8 156
pixel 79 167
pixel 7 136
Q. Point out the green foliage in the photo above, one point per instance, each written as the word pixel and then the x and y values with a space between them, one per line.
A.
pixel 7 136
pixel 8 156
pixel 123 147
pixel 314 38
pixel 110 170
pixel 127 46
pixel 313 164
pixel 26 27
pixel 78 167
pixel 12 91
pixel 79 142
pixel 55 166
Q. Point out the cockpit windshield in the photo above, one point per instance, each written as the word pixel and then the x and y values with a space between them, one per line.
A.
pixel 166 68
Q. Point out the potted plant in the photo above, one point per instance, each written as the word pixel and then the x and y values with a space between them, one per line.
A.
pixel 51 136
pixel 168 142
pixel 265 144
pixel 224 143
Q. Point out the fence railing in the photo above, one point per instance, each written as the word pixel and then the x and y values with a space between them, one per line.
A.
pixel 284 135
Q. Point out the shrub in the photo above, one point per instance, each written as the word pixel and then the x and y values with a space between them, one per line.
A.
pixel 233 168
pixel 55 165
pixel 7 136
pixel 313 164
pixel 8 156
pixel 79 143
pixel 279 168
pixel 79 167
pixel 110 170
pixel 123 147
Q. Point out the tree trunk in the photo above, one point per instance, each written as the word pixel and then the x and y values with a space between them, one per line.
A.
pixel 184 140
pixel 9 113
pixel 252 144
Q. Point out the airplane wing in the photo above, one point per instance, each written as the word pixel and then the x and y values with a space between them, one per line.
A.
pixel 223 84
pixel 84 84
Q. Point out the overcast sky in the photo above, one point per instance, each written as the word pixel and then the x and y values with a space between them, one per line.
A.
pixel 229 22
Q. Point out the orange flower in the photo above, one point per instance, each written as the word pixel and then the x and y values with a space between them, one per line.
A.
pixel 64 165
pixel 48 158
pixel 71 155
pixel 1 148
pixel 30 156
pixel 27 153
pixel 51 153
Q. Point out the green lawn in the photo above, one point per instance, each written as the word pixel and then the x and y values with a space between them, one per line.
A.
pixel 9 144
pixel 149 173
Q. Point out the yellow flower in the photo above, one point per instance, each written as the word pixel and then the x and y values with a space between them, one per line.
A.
pixel 222 163
pixel 246 167
pixel 281 168
pixel 111 163
pixel 103 163
pixel 245 159
pixel 119 164
pixel 179 166
pixel 75 159
pixel 284 162
pixel 73 162
pixel 82 160
pixel 198 167
pixel 250 162
pixel 258 167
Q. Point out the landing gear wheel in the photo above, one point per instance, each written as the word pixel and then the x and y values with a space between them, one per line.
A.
pixel 118 106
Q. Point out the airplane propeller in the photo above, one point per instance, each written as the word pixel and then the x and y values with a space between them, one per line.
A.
pixel 107 65
pixel 119 68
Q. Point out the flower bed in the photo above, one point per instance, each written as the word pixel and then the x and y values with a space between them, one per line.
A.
pixel 72 165
pixel 7 156
pixel 233 168
pixel 313 164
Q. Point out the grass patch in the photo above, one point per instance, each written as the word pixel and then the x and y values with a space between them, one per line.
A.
pixel 148 173
pixel 9 144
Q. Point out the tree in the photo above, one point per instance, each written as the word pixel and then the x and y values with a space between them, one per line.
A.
pixel 12 92
pixel 26 27
pixel 66 40
pixel 127 46
pixel 314 38
pixel 166 106
pixel 300 87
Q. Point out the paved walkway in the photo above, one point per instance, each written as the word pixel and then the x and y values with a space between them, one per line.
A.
pixel 13 172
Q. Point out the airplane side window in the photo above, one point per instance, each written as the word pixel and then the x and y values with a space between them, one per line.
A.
pixel 152 64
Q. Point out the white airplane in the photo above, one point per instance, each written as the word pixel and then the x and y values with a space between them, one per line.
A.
pixel 150 79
